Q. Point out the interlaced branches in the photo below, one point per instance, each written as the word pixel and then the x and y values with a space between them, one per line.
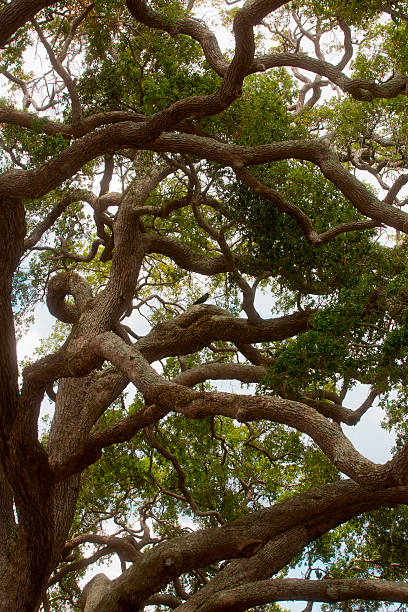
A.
pixel 167 169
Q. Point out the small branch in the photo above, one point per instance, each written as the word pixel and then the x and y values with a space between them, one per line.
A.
pixel 297 214
pixel 348 45
pixel 37 233
pixel 81 564
pixel 120 431
pixel 337 412
pixel 74 24
pixel 122 546
pixel 395 188
pixel 181 482
pixel 63 73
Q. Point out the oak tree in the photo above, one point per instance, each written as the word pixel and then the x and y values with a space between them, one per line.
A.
pixel 148 158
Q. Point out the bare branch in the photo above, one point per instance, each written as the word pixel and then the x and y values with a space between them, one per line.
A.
pixel 63 73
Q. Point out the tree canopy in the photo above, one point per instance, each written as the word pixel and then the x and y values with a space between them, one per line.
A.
pixel 152 152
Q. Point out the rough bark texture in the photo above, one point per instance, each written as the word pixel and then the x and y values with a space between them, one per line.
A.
pixel 39 483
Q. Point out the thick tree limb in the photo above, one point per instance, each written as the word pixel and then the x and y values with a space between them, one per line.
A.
pixel 16 14
pixel 61 285
pixel 268 591
pixel 34 183
pixel 360 89
pixel 192 404
pixel 263 563
pixel 220 371
pixel 337 502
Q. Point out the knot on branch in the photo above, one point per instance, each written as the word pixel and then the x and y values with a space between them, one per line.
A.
pixel 332 593
pixel 242 415
pixel 249 548
pixel 172 562
pixel 62 285
pixel 361 94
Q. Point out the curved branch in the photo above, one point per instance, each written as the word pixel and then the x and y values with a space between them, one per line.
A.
pixel 360 89
pixel 64 254
pixel 281 204
pixel 198 326
pixel 37 233
pixel 191 331
pixel 165 209
pixel 118 545
pixel 337 412
pixel 331 591
pixel 45 126
pixel 128 248
pixel 73 26
pixel 61 285
pixel 220 371
pixel 121 431
pixel 253 13
pixel 81 564
pixel 184 257
pixel 192 27
pixel 253 374
pixel 163 599
pixel 266 562
pixel 34 183
pixel 327 435
pixel 348 45
pixel 395 188
pixel 181 481
pixel 107 174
